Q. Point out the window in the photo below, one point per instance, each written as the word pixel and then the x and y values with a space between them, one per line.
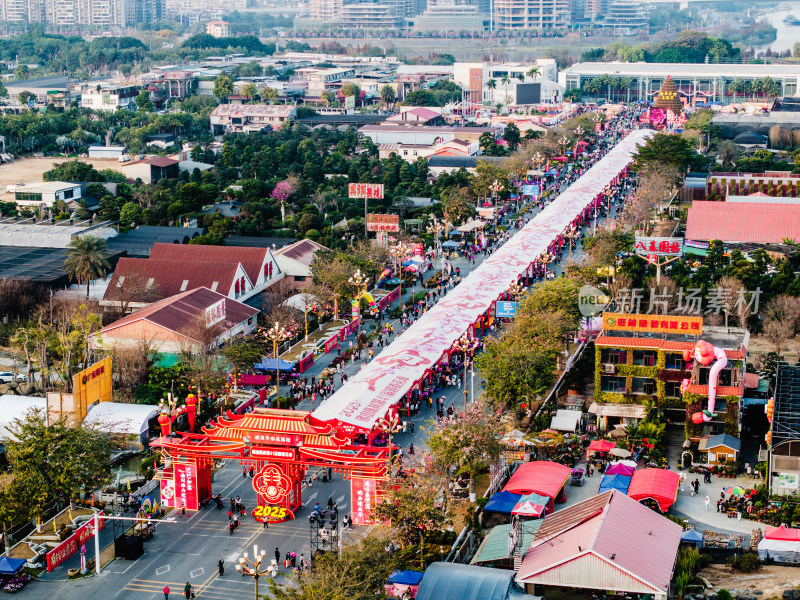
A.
pixel 68 194
pixel 31 197
pixel 672 389
pixel 613 356
pixel 645 358
pixel 674 361
pixel 299 277
pixel 612 384
pixel 643 385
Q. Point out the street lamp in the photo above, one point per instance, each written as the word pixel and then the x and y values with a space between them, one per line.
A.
pixel 398 251
pixel 514 289
pixel 496 188
pixel 358 280
pixel 571 232
pixel 435 229
pixel 545 259
pixel 537 160
pixel 465 344
pixel 562 143
pixel 277 334
pixel 255 568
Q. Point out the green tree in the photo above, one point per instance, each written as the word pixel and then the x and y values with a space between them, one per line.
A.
pixel 388 95
pixel 250 91
pixel 86 259
pixel 56 461
pixel 242 354
pixel 223 87
pixel 130 215
pixel 663 148
pixel 420 98
pixel 3 91
pixel 351 89
pixel 143 101
pixel 512 135
pixel 468 441
pixel 74 171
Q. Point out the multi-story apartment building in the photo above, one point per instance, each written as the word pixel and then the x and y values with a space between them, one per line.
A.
pixel 540 15
pixel 628 14
pixel 21 11
pixel 218 29
pixel 106 14
pixel 109 97
pixel 324 10
pixel 370 16
pixel 249 118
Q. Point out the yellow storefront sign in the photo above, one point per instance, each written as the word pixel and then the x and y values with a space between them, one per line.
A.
pixel 92 385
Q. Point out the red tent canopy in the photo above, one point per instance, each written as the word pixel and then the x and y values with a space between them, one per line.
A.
pixel 659 484
pixel 782 533
pixel 253 379
pixel 541 476
pixel 601 446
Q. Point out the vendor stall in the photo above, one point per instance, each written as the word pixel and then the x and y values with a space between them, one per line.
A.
pixel 403 584
pixel 659 485
pixel 543 477
pixel 620 483
pixel 781 544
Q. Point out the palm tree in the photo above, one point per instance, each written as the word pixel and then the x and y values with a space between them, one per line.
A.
pixel 533 72
pixel 492 85
pixel 86 259
pixel 505 80
pixel 521 76
pixel 388 95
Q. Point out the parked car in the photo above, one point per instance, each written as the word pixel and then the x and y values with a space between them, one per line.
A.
pixel 8 377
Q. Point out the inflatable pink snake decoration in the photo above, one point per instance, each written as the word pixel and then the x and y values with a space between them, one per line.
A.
pixel 705 354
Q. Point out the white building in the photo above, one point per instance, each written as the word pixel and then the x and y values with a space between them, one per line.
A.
pixel 473 78
pixel 218 29
pixel 109 97
pixel 44 193
pixel 539 15
pixel 249 118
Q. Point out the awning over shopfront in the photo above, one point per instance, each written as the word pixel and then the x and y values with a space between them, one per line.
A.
pixel 566 420
pixel 628 411
pixel 660 485
pixel 541 476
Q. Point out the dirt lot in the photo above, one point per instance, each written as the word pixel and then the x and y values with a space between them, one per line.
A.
pixel 29 170
pixel 768 579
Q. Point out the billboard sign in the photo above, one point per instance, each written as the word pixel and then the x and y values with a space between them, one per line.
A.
pixel 349 102
pixel 365 190
pixel 390 223
pixel 652 323
pixel 91 386
pixel 658 246
pixel 364 494
pixel 70 545
pixel 186 486
pixel 505 309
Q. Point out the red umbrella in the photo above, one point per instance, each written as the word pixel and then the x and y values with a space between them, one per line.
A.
pixel 601 446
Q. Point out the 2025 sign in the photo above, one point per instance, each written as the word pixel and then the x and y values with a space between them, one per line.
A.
pixel 271 514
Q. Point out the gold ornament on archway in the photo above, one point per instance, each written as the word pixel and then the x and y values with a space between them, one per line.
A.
pixel 668 97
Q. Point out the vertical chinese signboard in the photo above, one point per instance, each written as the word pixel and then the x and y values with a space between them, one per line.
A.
pixel 364 495
pixel 186 486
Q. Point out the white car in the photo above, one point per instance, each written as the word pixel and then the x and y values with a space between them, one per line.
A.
pixel 8 377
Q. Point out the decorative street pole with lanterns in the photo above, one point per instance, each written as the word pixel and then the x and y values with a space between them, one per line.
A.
pixel 562 143
pixel 571 233
pixel 514 290
pixel 537 160
pixel 466 345
pixel 277 334
pixel 398 251
pixel 435 229
pixel 257 567
pixel 544 259
pixel 359 281
pixel 496 188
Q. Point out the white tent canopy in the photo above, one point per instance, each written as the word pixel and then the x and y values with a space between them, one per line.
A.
pixel 119 418
pixel 566 420
pixel 17 407
pixel 781 551
pixel 301 301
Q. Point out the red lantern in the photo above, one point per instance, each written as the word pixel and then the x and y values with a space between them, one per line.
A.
pixel 164 421
pixel 697 418
pixel 191 410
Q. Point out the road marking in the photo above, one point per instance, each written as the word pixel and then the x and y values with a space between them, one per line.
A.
pixel 196 573
pixel 311 497
pixel 340 498
pixel 161 570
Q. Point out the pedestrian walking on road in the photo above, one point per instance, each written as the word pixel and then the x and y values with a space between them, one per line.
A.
pixel 166 592
pixel 187 590
pixel 244 472
pixel 278 552
pixel 708 502
pixel 230 528
pixel 221 565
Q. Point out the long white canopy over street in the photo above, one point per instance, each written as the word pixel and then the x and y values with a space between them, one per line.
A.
pixel 367 396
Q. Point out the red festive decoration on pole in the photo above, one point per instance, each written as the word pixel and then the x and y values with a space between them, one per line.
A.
pixel 191 410
pixel 165 422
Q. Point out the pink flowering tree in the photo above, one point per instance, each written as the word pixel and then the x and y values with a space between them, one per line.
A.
pixel 468 442
pixel 281 193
